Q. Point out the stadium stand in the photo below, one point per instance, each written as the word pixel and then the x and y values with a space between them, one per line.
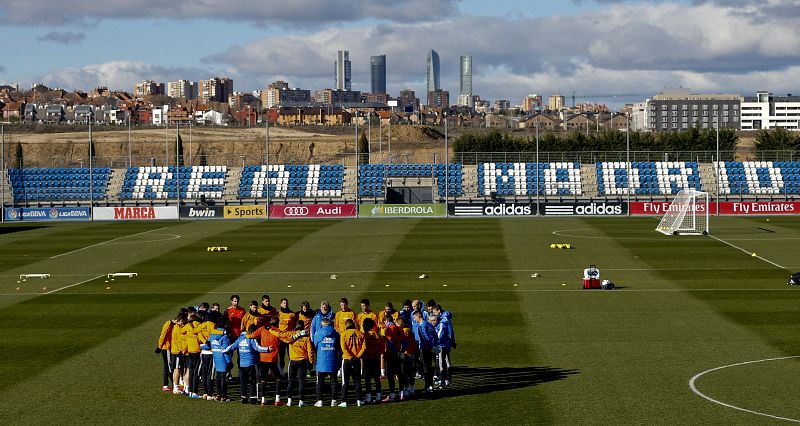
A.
pixel 759 177
pixel 372 177
pixel 528 179
pixel 155 182
pixel 292 181
pixel 647 177
pixel 59 184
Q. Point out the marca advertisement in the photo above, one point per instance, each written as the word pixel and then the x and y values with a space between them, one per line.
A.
pixel 135 213
pixel 201 212
pixel 28 214
pixel 304 211
pixel 401 210
pixel 732 208
pixel 493 209
pixel 245 212
pixel 597 208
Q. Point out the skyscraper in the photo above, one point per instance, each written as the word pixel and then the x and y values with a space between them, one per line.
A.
pixel 342 65
pixel 465 94
pixel 378 70
pixel 433 71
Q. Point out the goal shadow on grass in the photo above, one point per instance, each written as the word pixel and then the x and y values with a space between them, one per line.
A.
pixel 483 380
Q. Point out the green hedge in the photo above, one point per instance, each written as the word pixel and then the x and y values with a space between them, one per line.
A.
pixel 610 140
pixel 778 139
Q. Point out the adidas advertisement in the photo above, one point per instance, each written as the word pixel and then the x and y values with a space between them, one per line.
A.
pixel 502 209
pixel 201 212
pixel 585 209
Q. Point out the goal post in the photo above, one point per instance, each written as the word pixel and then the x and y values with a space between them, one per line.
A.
pixel 686 215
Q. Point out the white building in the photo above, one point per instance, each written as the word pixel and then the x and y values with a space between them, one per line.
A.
pixel 640 119
pixel 765 111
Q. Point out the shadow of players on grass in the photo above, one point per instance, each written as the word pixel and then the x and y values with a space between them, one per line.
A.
pixel 483 380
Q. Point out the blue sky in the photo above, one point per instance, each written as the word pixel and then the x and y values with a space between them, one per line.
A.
pixel 518 47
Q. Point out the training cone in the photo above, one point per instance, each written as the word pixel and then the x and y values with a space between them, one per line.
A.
pixel 552 246
pixel 333 277
pixel 754 255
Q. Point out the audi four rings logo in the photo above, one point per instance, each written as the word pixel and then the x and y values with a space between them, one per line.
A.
pixel 295 211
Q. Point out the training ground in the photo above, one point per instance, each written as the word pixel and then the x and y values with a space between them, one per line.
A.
pixel 530 350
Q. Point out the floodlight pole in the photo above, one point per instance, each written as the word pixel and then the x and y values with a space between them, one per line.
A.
pixel 369 136
pixel 129 138
pixel 446 169
pixel 357 162
pixel 266 156
pixel 177 160
pixel 538 191
pixel 718 163
pixel 628 157
pixel 3 173
pixel 191 152
pixel 91 178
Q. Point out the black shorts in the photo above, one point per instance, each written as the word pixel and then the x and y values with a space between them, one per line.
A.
pixel 177 361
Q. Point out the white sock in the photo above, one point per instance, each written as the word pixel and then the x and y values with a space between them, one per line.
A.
pixel 277 398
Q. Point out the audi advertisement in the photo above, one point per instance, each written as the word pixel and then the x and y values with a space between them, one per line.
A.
pixel 312 211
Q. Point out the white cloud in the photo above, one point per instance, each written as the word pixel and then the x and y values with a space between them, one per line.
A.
pixel 294 12
pixel 121 75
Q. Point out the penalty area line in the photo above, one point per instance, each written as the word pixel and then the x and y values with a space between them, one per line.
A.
pixel 76 284
pixel 106 242
pixel 745 251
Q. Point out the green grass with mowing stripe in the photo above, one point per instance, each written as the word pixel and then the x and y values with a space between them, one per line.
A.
pixel 538 353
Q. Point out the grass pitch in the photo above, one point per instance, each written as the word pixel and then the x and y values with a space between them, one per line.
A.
pixel 531 350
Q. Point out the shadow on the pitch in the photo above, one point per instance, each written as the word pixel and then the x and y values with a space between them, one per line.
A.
pixel 483 380
pixel 11 229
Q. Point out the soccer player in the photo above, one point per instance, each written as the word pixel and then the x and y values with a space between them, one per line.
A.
pixel 287 318
pixel 163 347
pixel 442 327
pixel 266 309
pixel 306 314
pixel 326 345
pixel 215 307
pixel 301 353
pixel 444 314
pixel 248 349
pixel 217 342
pixel 366 313
pixel 190 332
pixel 269 360
pixel 427 341
pixel 353 348
pixel 373 358
pixel 406 312
pixel 410 356
pixel 207 327
pixel 253 316
pixel 324 311
pixel 177 349
pixel 344 314
pixel 388 312
pixel 395 346
pixel 234 314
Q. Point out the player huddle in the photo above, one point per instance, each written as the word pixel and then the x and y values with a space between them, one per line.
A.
pixel 199 346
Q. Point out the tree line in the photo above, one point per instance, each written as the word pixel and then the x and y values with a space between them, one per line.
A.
pixel 609 140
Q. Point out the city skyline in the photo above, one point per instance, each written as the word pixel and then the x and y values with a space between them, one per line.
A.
pixel 635 47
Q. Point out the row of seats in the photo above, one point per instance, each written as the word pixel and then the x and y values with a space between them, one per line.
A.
pixel 529 179
pixel 647 177
pixel 156 182
pixel 292 181
pixel 448 177
pixel 759 177
pixel 59 184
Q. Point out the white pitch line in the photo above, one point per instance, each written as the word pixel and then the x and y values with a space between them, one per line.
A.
pixel 106 242
pixel 694 389
pixel 745 251
pixel 73 285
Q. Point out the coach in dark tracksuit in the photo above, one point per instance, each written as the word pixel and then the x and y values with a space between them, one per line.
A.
pixel 427 341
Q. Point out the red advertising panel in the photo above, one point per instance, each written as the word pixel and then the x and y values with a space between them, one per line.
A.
pixel 733 208
pixel 316 211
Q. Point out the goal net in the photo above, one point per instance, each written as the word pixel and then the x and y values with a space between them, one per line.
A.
pixel 687 215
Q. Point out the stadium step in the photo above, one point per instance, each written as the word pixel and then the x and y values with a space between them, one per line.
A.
pixel 589 178
pixel 470 181
pixel 115 184
pixel 708 178
pixel 232 180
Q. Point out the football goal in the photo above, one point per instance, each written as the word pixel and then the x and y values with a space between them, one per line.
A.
pixel 687 215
